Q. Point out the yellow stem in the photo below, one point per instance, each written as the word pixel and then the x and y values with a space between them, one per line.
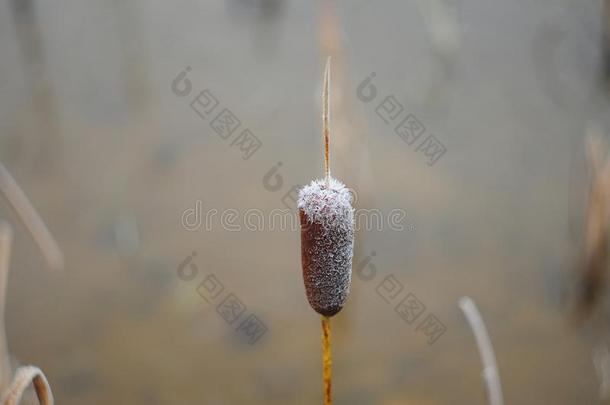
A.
pixel 325 119
pixel 327 361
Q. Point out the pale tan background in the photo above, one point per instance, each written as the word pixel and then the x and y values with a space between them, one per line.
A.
pixel 111 158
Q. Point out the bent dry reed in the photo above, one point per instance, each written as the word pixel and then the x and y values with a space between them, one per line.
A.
pixel 327 244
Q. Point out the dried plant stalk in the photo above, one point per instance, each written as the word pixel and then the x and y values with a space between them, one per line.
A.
pixel 23 378
pixel 327 243
pixel 30 218
pixel 596 226
pixel 491 376
pixel 325 119
pixel 606 37
pixel 6 241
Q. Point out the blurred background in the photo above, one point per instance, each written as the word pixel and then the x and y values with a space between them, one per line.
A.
pixel 108 124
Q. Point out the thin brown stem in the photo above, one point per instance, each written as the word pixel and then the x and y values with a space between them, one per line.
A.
pixel 327 361
pixel 325 120
pixel 30 218
pixel 6 239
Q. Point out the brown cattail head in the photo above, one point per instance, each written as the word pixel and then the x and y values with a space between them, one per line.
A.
pixel 327 244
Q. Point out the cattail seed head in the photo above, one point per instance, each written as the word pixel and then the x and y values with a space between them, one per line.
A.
pixel 327 243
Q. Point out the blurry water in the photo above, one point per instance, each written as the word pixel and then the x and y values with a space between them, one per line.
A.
pixel 112 157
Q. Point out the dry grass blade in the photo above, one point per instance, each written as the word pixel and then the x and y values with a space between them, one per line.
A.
pixel 597 224
pixel 23 378
pixel 325 120
pixel 30 218
pixel 491 376
pixel 606 37
pixel 6 241
pixel 349 142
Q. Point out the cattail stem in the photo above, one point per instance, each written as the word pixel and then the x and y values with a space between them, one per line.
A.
pixel 327 361
pixel 325 119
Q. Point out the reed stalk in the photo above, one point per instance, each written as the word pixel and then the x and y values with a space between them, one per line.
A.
pixel 327 361
pixel 490 373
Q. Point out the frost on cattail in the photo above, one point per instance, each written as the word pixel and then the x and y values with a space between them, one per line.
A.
pixel 327 242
